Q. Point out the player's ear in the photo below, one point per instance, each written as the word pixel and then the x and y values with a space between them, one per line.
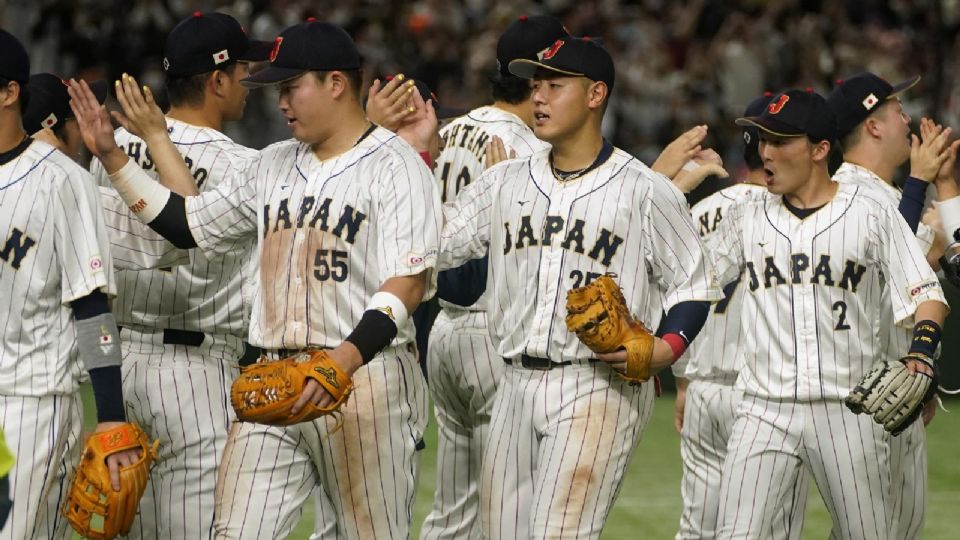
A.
pixel 597 94
pixel 9 94
pixel 339 86
pixel 872 127
pixel 217 83
pixel 821 150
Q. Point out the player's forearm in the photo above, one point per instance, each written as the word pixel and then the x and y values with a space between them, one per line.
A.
pixel 155 205
pixel 98 343
pixel 931 310
pixel 173 171
pixel 409 289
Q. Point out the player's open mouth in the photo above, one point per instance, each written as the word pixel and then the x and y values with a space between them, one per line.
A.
pixel 539 118
pixel 290 121
pixel 769 176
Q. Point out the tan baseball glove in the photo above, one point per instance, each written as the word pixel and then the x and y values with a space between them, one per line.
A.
pixel 599 316
pixel 92 507
pixel 265 392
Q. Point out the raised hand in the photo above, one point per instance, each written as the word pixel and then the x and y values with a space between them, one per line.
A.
pixel 419 127
pixel 929 151
pixel 388 104
pixel 141 115
pixel 706 162
pixel 680 151
pixel 92 118
pixel 495 152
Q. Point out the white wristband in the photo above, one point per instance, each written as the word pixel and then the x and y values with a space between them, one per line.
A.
pixel 391 305
pixel 144 195
pixel 949 215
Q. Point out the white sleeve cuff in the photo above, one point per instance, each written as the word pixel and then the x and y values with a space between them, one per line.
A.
pixel 144 195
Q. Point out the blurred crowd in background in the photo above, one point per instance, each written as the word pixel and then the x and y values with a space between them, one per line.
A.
pixel 679 62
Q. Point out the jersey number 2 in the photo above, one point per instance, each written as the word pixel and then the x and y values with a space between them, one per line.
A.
pixel 330 264
pixel 842 320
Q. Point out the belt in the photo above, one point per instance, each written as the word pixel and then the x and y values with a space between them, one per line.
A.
pixel 532 362
pixel 180 337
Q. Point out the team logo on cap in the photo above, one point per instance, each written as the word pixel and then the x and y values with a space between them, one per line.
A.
pixel 746 137
pixel 221 57
pixel 49 121
pixel 276 48
pixel 870 101
pixel 550 51
pixel 777 106
pixel 166 64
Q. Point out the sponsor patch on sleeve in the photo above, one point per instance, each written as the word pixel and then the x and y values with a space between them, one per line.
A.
pixel 922 287
pixel 96 263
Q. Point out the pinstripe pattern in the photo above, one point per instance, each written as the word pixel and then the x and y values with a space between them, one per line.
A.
pixel 811 340
pixel 909 450
pixel 43 433
pixel 367 472
pixel 560 439
pixel 774 441
pixel 658 260
pixel 463 366
pixel 795 349
pixel 54 204
pixel 180 395
pixel 708 420
pixel 53 250
pixel 559 443
pixel 464 372
pixel 303 296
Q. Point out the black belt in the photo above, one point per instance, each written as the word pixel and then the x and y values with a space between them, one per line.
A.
pixel 180 337
pixel 532 362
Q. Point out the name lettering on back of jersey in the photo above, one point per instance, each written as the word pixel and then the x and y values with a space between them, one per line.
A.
pixel 470 138
pixel 139 152
pixel 16 248
pixel 309 214
pixel 603 248
pixel 822 274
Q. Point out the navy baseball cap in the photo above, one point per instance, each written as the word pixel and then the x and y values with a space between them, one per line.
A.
pixel 525 37
pixel 49 104
pixel 796 113
pixel 855 98
pixel 308 46
pixel 14 62
pixel 572 56
pixel 205 42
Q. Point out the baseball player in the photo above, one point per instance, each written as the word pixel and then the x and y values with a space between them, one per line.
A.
pixel 706 398
pixel 463 366
pixel 346 218
pixel 563 427
pixel 183 327
pixel 56 271
pixel 815 257
pixel 874 133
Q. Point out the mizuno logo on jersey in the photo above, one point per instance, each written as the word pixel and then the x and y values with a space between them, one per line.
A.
pixel 16 248
pixel 603 248
pixel 823 273
pixel 309 214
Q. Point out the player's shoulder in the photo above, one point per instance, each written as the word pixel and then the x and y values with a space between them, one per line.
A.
pixel 730 195
pixel 387 148
pixel 280 150
pixel 866 198
pixel 56 167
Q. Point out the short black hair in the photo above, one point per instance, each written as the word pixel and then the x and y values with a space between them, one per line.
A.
pixel 24 92
pixel 189 90
pixel 510 89
pixel 354 77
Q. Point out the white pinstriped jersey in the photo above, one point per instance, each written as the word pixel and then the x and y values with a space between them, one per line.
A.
pixel 898 338
pixel 813 289
pixel 329 234
pixel 461 161
pixel 202 295
pixel 53 250
pixel 546 237
pixel 715 354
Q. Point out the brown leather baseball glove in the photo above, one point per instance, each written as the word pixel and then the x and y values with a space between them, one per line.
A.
pixel 599 316
pixel 92 507
pixel 265 392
